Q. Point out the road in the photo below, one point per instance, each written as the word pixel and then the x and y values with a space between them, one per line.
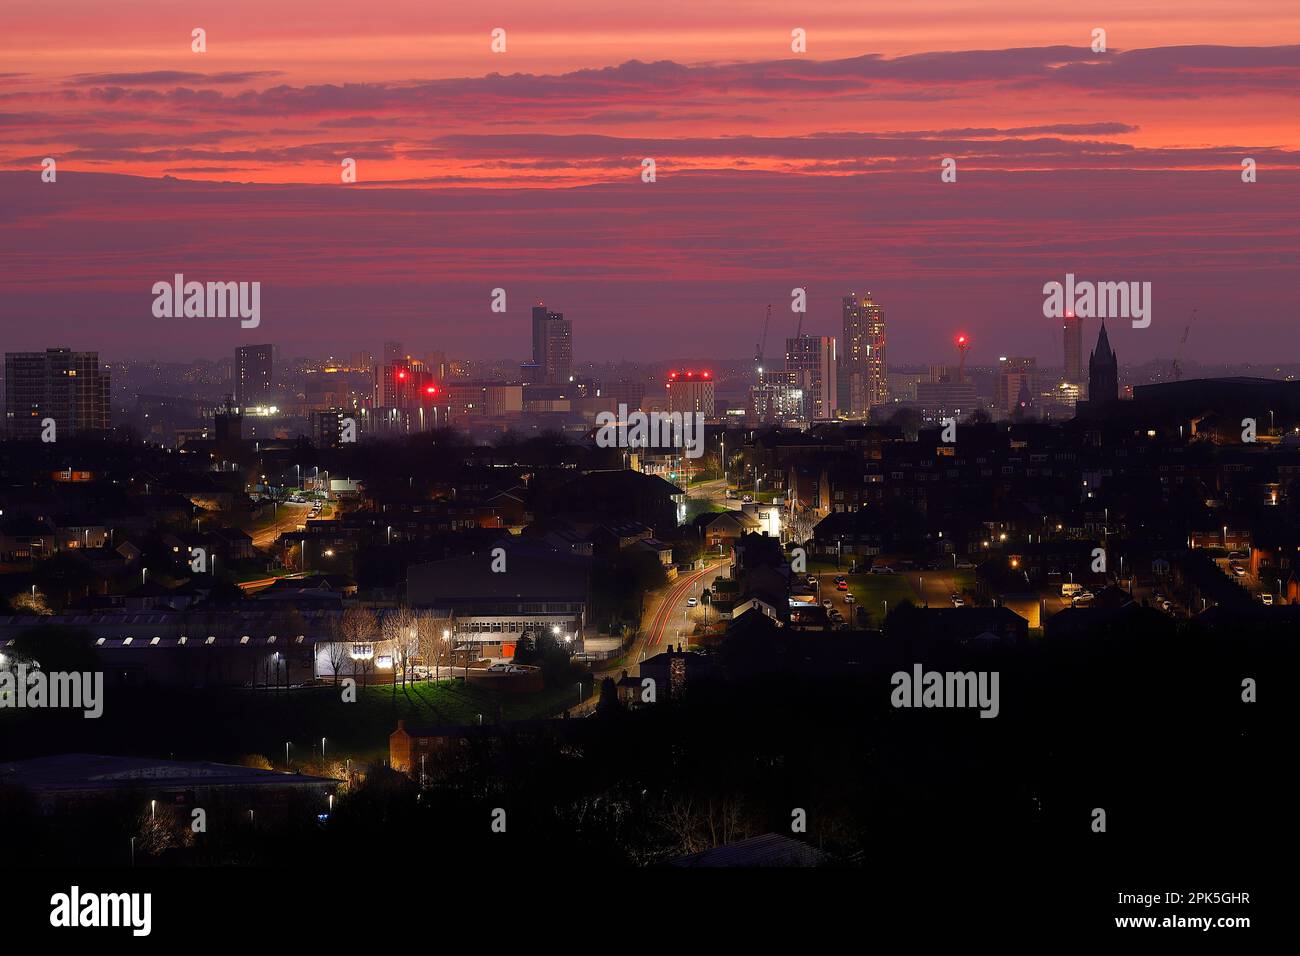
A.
pixel 663 614
pixel 287 518
pixel 714 492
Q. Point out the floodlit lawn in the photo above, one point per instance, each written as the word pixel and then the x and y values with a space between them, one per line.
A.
pixel 870 590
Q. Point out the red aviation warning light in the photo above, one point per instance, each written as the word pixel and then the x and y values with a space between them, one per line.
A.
pixel 431 390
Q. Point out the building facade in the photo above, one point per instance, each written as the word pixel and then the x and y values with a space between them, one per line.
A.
pixel 254 365
pixel 552 345
pixel 813 360
pixel 69 387
pixel 863 381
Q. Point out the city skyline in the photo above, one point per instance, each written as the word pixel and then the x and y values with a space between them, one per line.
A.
pixel 523 171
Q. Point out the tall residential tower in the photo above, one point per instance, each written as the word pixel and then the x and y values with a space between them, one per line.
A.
pixel 862 376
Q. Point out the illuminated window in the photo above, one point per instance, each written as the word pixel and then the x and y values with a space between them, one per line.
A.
pixel 126 641
pixel 210 640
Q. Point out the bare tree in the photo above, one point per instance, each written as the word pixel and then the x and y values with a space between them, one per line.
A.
pixel 338 649
pixel 400 640
pixel 358 627
pixel 429 642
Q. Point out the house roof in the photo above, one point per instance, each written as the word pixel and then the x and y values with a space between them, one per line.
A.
pixel 769 849
pixel 80 772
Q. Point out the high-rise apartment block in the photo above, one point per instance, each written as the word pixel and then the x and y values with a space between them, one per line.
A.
pixel 69 387
pixel 254 365
pixel 812 359
pixel 862 376
pixel 552 345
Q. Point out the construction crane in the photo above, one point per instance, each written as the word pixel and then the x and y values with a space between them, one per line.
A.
pixel 762 346
pixel 1176 371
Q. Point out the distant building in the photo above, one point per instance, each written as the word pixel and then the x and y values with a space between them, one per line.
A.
pixel 863 382
pixel 812 359
pixel 254 365
pixel 940 400
pixel 541 591
pixel 774 403
pixel 1072 334
pixel 690 392
pixel 552 345
pixel 1015 375
pixel 327 427
pixel 69 387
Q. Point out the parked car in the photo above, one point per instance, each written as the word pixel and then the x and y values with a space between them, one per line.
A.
pixel 1266 598
pixel 842 586
pixel 827 605
pixel 1238 570
pixel 882 569
pixel 957 601
pixel 849 599
pixel 811 580
pixel 1166 605
pixel 1235 556
pixel 965 566
pixel 1083 596
pixel 1070 590
pixel 691 602
pixel 748 499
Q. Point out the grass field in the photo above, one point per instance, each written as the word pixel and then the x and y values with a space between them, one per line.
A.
pixel 225 724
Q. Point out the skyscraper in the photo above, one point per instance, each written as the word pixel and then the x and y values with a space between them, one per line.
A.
pixel 1103 371
pixel 812 359
pixel 862 376
pixel 552 345
pixel 1072 331
pixel 67 386
pixel 253 367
